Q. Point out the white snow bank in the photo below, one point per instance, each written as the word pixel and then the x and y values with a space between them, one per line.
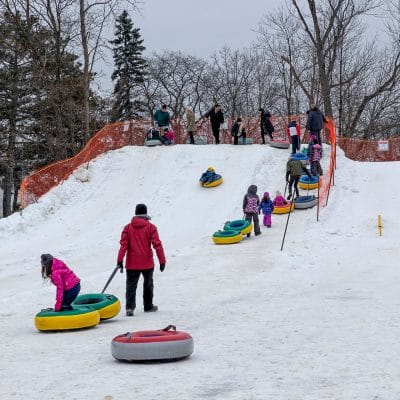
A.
pixel 316 321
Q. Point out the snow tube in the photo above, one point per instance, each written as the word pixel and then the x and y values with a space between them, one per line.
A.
pixel 299 156
pixel 107 305
pixel 50 320
pixel 279 144
pixel 217 181
pixel 159 345
pixel 227 237
pixel 308 183
pixel 283 209
pixel 302 202
pixel 241 225
pixel 152 142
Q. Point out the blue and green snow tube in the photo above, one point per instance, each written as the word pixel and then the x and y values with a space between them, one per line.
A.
pixel 107 305
pixel 227 237
pixel 241 225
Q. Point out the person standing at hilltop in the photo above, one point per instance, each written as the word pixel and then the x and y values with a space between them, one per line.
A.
pixel 216 119
pixel 315 122
pixel 190 123
pixel 265 124
pixel 162 118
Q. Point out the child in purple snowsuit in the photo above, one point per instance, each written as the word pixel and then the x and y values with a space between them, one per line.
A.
pixel 267 206
pixel 251 201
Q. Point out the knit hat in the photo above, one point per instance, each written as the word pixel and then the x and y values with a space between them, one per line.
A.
pixel 313 137
pixel 266 194
pixel 141 209
pixel 46 260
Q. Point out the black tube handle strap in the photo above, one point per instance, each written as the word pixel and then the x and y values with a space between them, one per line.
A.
pixel 169 327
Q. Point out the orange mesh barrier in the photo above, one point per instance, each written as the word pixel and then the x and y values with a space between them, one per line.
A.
pixel 327 180
pixel 120 134
pixel 370 150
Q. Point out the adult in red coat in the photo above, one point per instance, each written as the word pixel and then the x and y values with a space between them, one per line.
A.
pixel 136 241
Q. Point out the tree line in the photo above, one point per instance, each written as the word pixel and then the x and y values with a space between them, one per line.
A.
pixel 304 52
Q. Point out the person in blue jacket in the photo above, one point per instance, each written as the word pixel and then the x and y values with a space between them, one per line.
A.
pixel 208 176
pixel 266 206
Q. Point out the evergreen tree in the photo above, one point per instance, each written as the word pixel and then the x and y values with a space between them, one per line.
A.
pixel 15 103
pixel 129 69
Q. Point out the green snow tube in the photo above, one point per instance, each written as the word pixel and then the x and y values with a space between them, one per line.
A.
pixel 227 237
pixel 107 305
pixel 241 225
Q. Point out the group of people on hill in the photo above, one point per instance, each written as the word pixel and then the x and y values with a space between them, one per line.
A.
pixel 140 235
pixel 315 121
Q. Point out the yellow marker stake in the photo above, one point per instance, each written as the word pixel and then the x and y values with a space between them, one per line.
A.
pixel 380 224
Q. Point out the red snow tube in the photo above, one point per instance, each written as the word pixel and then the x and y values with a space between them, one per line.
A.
pixel 165 344
pixel 151 336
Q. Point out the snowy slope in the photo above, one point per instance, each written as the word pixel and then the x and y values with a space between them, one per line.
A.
pixel 316 321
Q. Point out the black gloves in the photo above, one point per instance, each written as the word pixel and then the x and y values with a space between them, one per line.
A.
pixel 120 266
pixel 162 267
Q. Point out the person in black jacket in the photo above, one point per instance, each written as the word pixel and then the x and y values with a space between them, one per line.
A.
pixel 216 118
pixel 265 124
pixel 315 122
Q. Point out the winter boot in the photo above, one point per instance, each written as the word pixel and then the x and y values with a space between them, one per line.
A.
pixel 129 312
pixel 289 196
pixel 152 309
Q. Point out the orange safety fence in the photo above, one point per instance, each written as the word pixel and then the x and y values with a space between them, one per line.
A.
pixel 116 135
pixel 327 179
pixel 370 150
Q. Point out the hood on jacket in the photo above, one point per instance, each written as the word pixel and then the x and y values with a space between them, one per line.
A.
pixel 140 221
pixel 252 190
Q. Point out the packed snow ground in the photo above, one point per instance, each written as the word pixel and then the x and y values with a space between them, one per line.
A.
pixel 319 320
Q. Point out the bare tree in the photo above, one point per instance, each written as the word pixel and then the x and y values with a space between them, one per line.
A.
pixel 93 18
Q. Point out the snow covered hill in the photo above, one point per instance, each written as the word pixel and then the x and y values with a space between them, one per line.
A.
pixel 318 320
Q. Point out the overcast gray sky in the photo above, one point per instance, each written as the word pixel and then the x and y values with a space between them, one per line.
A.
pixel 197 27
pixel 200 27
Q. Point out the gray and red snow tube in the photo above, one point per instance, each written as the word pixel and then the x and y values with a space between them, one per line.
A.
pixel 166 344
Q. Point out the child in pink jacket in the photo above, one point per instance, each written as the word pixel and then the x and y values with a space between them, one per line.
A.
pixel 67 283
pixel 279 199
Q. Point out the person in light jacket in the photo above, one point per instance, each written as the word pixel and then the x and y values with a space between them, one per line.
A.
pixel 190 123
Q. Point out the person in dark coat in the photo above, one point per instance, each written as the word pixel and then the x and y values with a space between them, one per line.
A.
pixel 251 203
pixel 216 118
pixel 265 124
pixel 294 169
pixel 137 238
pixel 315 122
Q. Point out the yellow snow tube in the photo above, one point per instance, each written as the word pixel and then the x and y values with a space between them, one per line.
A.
pixel 50 320
pixel 214 183
pixel 227 237
pixel 283 209
pixel 308 183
